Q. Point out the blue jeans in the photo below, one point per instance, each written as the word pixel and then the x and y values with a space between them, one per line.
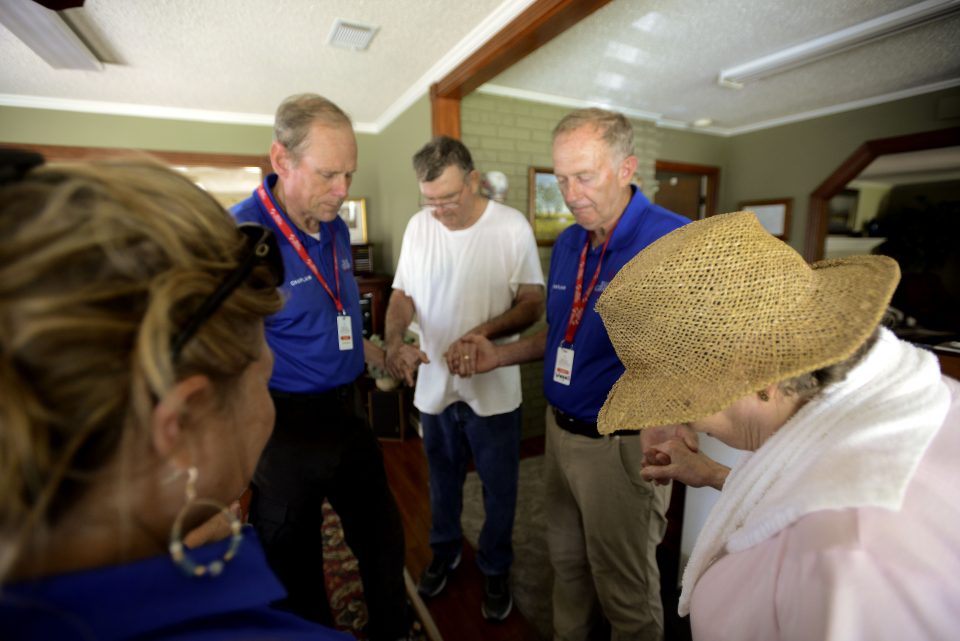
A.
pixel 449 439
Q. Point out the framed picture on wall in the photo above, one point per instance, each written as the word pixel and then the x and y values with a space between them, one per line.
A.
pixel 773 214
pixel 354 213
pixel 545 207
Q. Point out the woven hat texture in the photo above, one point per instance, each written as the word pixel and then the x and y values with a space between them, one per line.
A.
pixel 719 309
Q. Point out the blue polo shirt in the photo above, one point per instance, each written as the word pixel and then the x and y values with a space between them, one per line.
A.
pixel 153 599
pixel 303 335
pixel 596 366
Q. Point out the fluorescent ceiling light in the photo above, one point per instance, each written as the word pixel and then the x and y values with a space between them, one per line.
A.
pixel 837 41
pixel 45 32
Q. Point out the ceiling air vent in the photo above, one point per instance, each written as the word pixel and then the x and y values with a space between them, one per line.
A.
pixel 352 35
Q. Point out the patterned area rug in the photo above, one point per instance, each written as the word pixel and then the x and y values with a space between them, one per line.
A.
pixel 531 576
pixel 342 580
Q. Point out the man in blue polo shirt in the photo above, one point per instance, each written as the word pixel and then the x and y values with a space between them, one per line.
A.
pixel 319 447
pixel 603 521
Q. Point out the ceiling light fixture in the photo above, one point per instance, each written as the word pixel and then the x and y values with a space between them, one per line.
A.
pixel 352 35
pixel 46 33
pixel 833 43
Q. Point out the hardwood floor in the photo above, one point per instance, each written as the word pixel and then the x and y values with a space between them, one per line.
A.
pixel 456 611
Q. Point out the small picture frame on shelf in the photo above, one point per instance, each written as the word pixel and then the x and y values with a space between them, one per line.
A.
pixel 354 213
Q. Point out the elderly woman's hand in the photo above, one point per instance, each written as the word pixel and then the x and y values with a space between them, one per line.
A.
pixel 655 435
pixel 675 460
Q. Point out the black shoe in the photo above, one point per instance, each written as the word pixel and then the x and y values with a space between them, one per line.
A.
pixel 434 578
pixel 497 600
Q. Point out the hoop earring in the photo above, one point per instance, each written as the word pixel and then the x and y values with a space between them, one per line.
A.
pixel 763 395
pixel 178 550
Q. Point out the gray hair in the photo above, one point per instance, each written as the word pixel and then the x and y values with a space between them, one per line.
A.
pixel 437 155
pixel 297 114
pixel 616 131
pixel 808 385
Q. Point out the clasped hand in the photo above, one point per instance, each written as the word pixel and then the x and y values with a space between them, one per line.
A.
pixel 403 360
pixel 676 456
pixel 471 354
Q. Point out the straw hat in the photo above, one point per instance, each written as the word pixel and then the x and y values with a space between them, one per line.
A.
pixel 719 309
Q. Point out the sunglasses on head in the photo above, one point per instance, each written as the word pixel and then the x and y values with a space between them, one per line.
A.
pixel 261 249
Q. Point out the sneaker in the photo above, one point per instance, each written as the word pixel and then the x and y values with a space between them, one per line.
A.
pixel 434 578
pixel 497 600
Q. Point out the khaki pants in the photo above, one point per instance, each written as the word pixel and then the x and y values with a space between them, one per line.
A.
pixel 603 526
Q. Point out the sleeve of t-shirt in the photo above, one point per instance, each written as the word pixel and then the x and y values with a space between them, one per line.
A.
pixel 402 279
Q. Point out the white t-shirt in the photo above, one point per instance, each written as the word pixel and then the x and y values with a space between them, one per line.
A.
pixel 457 280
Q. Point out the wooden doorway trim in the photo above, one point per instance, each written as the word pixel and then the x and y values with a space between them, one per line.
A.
pixel 538 24
pixel 851 168
pixel 63 153
pixel 713 179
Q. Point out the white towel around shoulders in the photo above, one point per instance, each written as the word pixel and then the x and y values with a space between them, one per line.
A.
pixel 856 444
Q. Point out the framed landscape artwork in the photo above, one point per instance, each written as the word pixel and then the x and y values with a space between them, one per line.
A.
pixel 547 212
pixel 354 213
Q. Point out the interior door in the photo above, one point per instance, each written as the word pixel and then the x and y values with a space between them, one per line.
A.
pixel 689 190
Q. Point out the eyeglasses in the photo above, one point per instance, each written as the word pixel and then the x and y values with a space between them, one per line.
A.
pixel 262 249
pixel 446 202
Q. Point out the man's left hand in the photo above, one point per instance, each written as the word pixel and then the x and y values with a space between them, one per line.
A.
pixel 461 358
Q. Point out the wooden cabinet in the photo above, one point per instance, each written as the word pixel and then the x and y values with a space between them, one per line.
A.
pixel 374 295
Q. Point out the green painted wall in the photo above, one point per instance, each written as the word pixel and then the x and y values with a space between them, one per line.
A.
pixel 50 127
pixel 697 148
pixel 792 160
pixel 396 185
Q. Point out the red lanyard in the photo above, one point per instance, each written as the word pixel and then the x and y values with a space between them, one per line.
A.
pixel 297 245
pixel 580 303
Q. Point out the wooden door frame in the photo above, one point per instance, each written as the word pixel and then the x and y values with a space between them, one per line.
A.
pixel 538 24
pixel 713 179
pixel 851 167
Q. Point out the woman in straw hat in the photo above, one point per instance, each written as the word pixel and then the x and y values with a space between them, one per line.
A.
pixel 133 406
pixel 840 520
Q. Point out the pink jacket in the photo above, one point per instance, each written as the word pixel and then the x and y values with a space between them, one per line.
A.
pixel 853 574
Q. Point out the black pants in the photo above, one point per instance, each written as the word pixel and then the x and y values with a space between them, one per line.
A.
pixel 321 449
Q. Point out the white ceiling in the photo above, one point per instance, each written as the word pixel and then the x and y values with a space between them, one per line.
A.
pixel 234 60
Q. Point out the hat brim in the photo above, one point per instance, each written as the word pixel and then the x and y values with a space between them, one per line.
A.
pixel 850 297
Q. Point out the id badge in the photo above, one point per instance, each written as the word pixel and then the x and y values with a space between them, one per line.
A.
pixel 345 332
pixel 563 369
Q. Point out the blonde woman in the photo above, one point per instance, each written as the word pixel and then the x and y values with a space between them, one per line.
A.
pixel 841 520
pixel 133 408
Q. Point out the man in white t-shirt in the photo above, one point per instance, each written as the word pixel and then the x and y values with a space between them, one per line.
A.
pixel 468 265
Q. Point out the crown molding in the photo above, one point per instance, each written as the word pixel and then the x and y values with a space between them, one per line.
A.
pixel 491 25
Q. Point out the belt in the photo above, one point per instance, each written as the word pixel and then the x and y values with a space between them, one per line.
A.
pixel 584 428
pixel 341 393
